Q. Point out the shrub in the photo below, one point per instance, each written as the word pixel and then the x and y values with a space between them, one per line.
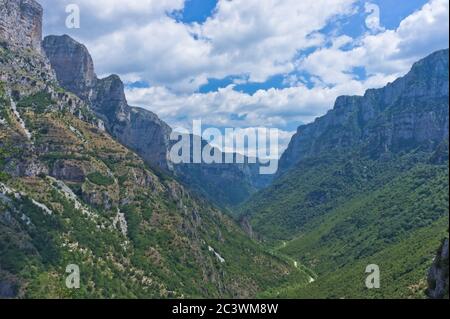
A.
pixel 99 179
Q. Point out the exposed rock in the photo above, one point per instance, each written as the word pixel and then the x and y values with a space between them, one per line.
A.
pixel 20 120
pixel 72 63
pixel 21 24
pixel 247 227
pixel 34 168
pixel 68 171
pixel 120 223
pixel 438 274
pixel 141 130
pixel 409 113
pixel 47 210
pixel 220 258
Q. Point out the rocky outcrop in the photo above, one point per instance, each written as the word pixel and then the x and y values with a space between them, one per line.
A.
pixel 20 48
pixel 438 275
pixel 21 24
pixel 411 112
pixel 68 171
pixel 141 130
pixel 72 63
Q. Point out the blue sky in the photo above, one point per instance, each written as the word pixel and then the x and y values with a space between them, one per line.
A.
pixel 196 11
pixel 391 14
pixel 252 63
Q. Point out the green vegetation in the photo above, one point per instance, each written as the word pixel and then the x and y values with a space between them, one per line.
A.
pixel 4 103
pixel 39 102
pixel 100 179
pixel 349 213
pixel 403 267
pixel 165 251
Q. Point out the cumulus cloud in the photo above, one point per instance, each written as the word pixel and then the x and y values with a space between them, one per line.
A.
pixel 230 108
pixel 386 54
pixel 251 40
pixel 254 38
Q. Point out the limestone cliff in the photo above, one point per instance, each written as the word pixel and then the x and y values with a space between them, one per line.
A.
pixel 141 130
pixel 70 193
pixel 21 23
pixel 138 129
pixel 410 112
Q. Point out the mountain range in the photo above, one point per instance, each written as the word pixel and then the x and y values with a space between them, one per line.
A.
pixel 86 179
pixel 70 193
pixel 365 184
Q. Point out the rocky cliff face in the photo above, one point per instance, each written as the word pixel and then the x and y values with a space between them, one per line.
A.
pixel 138 129
pixel 411 112
pixel 438 275
pixel 141 130
pixel 21 23
pixel 70 193
pixel 73 65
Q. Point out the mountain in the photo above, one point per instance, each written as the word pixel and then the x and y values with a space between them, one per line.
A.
pixel 141 130
pixel 365 184
pixel 72 194
pixel 404 115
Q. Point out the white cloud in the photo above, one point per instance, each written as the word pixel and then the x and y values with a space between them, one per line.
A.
pixel 110 10
pixel 261 38
pixel 161 52
pixel 387 54
pixel 230 108
pixel 253 40
pixel 117 9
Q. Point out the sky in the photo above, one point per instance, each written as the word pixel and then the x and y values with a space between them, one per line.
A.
pixel 252 63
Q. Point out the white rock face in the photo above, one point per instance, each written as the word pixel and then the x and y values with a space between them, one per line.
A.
pixel 70 195
pixel 5 190
pixel 220 258
pixel 77 133
pixel 43 207
pixel 20 120
pixel 101 126
pixel 121 222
